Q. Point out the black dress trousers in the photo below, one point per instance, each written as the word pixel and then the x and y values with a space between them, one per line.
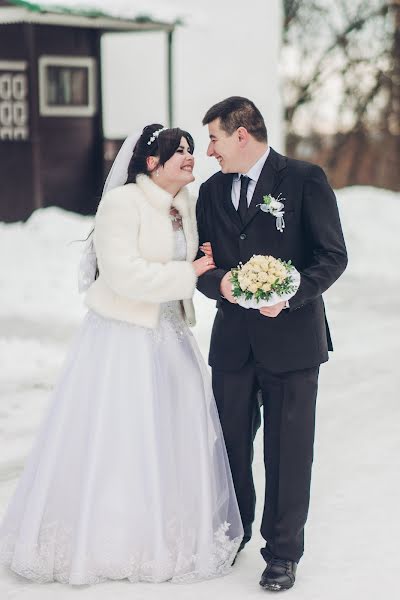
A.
pixel 289 401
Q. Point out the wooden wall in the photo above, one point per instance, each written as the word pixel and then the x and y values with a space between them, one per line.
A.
pixel 61 161
pixel 71 157
pixel 16 165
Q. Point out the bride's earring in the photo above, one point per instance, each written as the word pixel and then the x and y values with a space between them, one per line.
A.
pixel 157 172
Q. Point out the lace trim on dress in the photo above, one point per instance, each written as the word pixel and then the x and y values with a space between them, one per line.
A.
pixel 50 559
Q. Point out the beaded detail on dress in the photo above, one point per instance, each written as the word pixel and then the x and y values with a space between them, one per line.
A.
pixel 171 313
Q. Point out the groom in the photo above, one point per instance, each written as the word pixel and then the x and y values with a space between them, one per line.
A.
pixel 276 350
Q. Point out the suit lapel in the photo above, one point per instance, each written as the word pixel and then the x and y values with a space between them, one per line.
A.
pixel 270 179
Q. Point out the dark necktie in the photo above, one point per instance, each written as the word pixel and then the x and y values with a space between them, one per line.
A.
pixel 242 208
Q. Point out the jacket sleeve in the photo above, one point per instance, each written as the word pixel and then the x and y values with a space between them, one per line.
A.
pixel 208 283
pixel 323 230
pixel 124 270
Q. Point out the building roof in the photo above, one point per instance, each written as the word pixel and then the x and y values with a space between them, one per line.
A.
pixel 49 13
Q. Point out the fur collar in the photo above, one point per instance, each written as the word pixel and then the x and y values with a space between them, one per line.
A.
pixel 162 200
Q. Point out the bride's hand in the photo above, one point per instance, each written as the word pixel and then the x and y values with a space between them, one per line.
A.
pixel 207 249
pixel 203 264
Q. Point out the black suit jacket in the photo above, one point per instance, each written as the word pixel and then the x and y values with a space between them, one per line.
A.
pixel 312 239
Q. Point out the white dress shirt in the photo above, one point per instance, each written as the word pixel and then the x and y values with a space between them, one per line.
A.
pixel 253 173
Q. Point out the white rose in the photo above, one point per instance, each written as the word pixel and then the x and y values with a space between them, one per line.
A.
pixel 243 281
pixel 253 287
pixel 263 277
pixel 244 284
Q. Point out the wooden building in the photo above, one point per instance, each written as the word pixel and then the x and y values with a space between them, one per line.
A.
pixel 51 134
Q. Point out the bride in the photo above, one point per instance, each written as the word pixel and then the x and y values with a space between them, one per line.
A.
pixel 129 476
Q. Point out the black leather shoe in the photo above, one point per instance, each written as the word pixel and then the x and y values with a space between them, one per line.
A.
pixel 279 575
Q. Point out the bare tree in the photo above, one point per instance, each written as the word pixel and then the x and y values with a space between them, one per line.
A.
pixel 341 64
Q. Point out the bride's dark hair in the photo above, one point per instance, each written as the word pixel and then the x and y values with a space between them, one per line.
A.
pixel 164 146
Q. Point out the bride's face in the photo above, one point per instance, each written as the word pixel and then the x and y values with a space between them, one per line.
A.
pixel 178 170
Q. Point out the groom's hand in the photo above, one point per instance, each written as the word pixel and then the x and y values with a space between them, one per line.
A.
pixel 273 311
pixel 226 288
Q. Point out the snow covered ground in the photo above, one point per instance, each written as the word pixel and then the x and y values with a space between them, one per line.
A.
pixel 353 530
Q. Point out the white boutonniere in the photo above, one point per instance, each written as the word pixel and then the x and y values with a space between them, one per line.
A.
pixel 274 206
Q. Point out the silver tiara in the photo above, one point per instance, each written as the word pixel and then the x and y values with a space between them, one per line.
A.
pixel 155 135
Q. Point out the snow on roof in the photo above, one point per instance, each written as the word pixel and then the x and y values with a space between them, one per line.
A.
pixel 101 14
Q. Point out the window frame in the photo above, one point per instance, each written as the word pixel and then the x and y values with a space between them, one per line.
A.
pixel 87 110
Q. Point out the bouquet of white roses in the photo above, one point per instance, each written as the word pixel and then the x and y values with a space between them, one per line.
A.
pixel 264 281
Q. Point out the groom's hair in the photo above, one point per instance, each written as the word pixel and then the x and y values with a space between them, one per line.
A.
pixel 235 112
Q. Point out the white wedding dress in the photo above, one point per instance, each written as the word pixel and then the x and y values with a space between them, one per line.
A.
pixel 129 476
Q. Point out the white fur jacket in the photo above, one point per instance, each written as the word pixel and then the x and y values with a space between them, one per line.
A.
pixel 134 244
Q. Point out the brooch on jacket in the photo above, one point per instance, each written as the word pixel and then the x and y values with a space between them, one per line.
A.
pixel 274 206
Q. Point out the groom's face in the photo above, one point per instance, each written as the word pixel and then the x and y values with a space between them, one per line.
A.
pixel 225 148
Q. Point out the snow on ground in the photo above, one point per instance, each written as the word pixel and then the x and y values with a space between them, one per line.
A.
pixel 353 528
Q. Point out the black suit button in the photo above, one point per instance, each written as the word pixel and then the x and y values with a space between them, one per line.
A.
pixel 243 236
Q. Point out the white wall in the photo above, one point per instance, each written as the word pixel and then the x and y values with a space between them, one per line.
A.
pixel 223 50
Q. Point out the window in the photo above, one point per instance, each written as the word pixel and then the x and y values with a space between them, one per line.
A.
pixel 13 100
pixel 67 86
